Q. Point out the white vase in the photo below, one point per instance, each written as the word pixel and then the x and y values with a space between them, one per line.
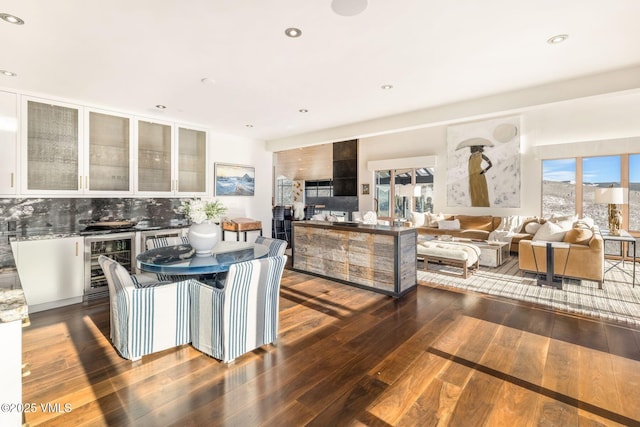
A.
pixel 203 237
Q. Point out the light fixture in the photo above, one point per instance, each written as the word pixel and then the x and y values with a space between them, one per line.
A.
pixel 558 39
pixel 161 107
pixel 207 81
pixel 293 32
pixel 11 19
pixel 303 110
pixel 386 87
pixel 8 73
pixel 348 7
pixel 248 125
pixel 613 196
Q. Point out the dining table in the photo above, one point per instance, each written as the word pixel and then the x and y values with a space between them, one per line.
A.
pixel 183 260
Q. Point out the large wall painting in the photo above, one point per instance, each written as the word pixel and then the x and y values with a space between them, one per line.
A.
pixel 483 164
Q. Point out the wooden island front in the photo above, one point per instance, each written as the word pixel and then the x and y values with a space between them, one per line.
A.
pixel 375 257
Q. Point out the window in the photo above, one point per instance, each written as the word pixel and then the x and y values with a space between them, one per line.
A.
pixel 634 192
pixel 322 188
pixel 284 191
pixel 598 172
pixel 412 190
pixel 559 187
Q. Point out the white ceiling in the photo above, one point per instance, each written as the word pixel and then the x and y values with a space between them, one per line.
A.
pixel 131 55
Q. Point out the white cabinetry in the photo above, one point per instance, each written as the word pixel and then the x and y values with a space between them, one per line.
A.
pixel 8 143
pixel 11 372
pixel 171 163
pixel 51 271
pixel 191 166
pixel 52 153
pixel 109 153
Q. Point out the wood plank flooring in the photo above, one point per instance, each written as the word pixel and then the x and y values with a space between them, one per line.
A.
pixel 347 356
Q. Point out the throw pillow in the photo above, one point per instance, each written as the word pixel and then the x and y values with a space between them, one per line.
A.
pixel 418 219
pixel 585 222
pixel 431 220
pixel 579 236
pixel 449 225
pixel 550 232
pixel 476 222
pixel 532 227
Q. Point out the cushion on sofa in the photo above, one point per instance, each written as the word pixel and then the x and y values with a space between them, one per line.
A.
pixel 449 225
pixel 418 219
pixel 550 232
pixel 580 236
pixel 532 227
pixel 431 219
pixel 474 222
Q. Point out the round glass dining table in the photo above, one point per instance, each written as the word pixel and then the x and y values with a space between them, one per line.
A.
pixel 182 259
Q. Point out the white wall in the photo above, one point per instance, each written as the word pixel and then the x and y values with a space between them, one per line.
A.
pixel 251 152
pixel 587 127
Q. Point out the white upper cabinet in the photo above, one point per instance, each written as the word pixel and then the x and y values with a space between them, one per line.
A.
pixel 171 162
pixel 108 165
pixel 51 152
pixel 192 162
pixel 155 157
pixel 65 149
pixel 8 143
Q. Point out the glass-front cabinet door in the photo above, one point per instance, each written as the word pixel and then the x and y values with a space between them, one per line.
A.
pixel 52 152
pixel 109 153
pixel 155 149
pixel 192 161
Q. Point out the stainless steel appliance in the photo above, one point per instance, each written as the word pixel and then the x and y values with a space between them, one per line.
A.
pixel 118 246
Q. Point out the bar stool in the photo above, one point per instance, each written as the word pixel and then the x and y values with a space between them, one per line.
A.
pixel 309 211
pixel 278 223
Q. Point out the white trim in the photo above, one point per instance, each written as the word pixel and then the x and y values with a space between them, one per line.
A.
pixel 403 163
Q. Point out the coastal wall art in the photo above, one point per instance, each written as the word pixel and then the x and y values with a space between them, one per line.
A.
pixel 483 164
pixel 234 180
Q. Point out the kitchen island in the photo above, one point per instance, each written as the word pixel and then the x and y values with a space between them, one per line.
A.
pixel 375 257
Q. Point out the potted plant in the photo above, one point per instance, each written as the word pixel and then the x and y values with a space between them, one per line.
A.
pixel 204 215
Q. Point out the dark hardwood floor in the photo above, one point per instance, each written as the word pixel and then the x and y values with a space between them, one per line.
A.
pixel 348 357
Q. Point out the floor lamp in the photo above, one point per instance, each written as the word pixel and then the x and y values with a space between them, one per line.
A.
pixel 613 196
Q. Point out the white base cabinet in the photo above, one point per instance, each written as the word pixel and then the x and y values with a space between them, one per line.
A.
pixel 51 271
pixel 11 373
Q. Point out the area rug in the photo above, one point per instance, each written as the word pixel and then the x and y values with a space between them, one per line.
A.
pixel 617 301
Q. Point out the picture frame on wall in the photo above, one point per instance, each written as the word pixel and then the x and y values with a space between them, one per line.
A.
pixel 234 180
pixel 365 189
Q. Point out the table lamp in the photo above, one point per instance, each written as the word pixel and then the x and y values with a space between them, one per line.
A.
pixel 613 196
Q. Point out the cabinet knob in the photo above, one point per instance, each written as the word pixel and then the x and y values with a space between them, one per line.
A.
pixel 11 179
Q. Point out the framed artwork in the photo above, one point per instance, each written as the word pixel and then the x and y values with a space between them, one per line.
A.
pixel 483 163
pixel 234 180
pixel 365 188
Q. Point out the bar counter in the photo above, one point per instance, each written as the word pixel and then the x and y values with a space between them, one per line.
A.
pixel 374 257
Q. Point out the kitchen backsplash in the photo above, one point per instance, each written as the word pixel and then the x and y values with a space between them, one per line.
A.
pixel 69 215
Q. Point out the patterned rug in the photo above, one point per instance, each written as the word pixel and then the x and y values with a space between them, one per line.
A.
pixel 617 300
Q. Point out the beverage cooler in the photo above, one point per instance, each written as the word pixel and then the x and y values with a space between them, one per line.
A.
pixel 118 246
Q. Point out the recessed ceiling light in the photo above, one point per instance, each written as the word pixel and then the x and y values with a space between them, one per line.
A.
pixel 293 32
pixel 558 39
pixel 161 107
pixel 8 73
pixel 303 110
pixel 248 125
pixel 386 87
pixel 11 19
pixel 207 81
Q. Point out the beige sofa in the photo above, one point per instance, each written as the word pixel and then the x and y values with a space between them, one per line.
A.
pixel 586 259
pixel 477 227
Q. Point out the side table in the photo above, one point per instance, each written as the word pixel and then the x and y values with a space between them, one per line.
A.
pixel 623 237
pixel 550 278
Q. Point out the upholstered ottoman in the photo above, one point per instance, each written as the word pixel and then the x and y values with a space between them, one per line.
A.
pixel 458 254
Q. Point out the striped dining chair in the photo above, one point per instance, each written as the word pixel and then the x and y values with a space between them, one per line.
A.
pixel 229 322
pixel 146 317
pixel 276 246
